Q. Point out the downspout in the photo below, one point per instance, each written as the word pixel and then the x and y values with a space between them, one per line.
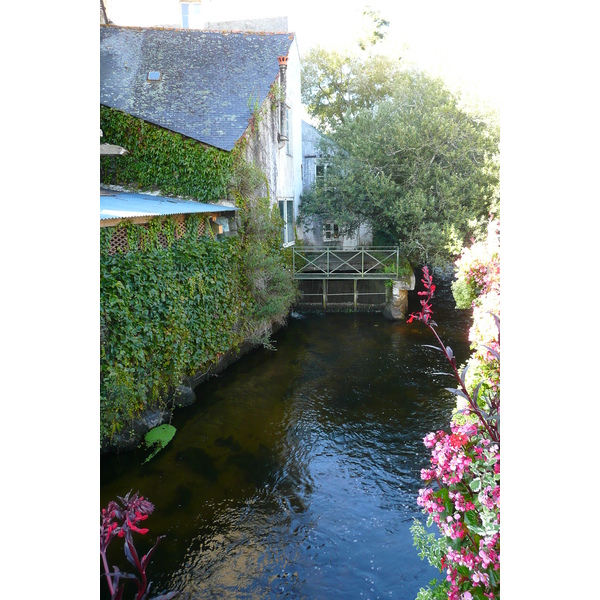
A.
pixel 281 137
pixel 103 16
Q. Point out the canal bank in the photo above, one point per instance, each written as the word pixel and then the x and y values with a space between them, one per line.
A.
pixel 179 397
pixel 295 473
pixel 394 307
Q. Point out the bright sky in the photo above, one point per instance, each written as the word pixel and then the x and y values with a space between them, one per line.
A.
pixel 458 39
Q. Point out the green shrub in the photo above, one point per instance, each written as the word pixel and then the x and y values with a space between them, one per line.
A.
pixel 165 313
pixel 464 293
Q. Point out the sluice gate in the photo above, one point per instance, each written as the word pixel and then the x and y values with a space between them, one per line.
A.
pixel 362 279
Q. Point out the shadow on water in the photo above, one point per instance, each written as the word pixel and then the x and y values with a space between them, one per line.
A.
pixel 296 472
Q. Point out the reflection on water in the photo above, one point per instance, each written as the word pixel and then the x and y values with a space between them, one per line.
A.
pixel 296 472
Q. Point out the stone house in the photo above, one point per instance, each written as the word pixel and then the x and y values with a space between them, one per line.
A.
pixel 215 87
pixel 314 166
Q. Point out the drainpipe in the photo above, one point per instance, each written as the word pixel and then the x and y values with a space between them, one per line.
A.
pixel 103 16
pixel 281 137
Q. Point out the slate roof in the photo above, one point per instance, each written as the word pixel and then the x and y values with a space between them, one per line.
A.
pixel 209 80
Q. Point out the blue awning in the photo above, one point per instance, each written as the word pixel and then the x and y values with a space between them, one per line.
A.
pixel 127 205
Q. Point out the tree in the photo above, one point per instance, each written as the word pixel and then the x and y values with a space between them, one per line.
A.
pixel 336 85
pixel 403 155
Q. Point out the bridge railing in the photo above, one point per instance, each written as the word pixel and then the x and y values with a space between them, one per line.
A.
pixel 368 262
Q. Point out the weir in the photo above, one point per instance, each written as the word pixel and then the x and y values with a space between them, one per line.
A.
pixel 363 279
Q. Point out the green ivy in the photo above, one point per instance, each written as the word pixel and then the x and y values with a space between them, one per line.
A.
pixel 159 159
pixel 169 312
pixel 165 313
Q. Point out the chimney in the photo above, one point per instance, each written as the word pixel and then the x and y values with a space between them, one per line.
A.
pixel 281 136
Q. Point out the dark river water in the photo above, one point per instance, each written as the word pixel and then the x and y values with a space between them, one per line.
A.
pixel 296 472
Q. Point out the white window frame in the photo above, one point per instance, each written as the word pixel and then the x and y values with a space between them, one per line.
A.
pixel 287 231
pixel 193 9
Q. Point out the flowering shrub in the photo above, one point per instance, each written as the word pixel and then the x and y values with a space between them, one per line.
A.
pixel 462 493
pixel 478 270
pixel 479 266
pixel 120 521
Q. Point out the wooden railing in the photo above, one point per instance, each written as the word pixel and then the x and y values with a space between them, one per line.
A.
pixel 375 262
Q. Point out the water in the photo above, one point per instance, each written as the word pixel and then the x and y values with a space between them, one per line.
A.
pixel 295 474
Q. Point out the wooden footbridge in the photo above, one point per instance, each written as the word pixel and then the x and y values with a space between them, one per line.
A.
pixel 348 277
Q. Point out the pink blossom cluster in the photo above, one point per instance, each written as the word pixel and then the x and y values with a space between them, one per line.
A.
pixel 118 519
pixel 463 479
pixel 479 268
pixel 448 459
pixel 472 559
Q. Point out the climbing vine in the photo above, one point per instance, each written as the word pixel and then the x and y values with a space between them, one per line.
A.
pixel 159 159
pixel 171 306
pixel 165 313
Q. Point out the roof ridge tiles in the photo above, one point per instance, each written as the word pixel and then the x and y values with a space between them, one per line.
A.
pixel 222 31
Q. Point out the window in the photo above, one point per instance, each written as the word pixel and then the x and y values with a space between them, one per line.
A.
pixel 190 15
pixel 331 231
pixel 321 174
pixel 286 210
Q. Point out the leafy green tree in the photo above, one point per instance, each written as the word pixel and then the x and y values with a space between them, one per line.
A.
pixel 337 85
pixel 402 155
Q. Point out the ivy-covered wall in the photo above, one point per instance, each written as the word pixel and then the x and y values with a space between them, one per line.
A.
pixel 169 312
pixel 165 313
pixel 159 159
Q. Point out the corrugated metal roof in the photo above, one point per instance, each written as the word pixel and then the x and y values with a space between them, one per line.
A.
pixel 126 205
pixel 210 81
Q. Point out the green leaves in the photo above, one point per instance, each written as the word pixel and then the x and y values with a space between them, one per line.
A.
pixel 157 438
pixel 165 314
pixel 169 312
pixel 163 160
pixel 402 154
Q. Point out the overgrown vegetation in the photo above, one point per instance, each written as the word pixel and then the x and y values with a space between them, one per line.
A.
pixel 164 313
pixel 462 486
pixel 402 153
pixel 169 312
pixel 162 160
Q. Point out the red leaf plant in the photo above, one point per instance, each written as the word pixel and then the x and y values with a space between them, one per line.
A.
pixel 465 471
pixel 121 520
pixel 489 417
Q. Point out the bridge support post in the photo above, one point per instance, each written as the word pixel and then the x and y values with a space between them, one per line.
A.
pixel 397 308
pixel 355 295
pixel 324 293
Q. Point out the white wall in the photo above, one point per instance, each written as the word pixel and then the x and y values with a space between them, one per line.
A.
pixel 283 171
pixel 290 181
